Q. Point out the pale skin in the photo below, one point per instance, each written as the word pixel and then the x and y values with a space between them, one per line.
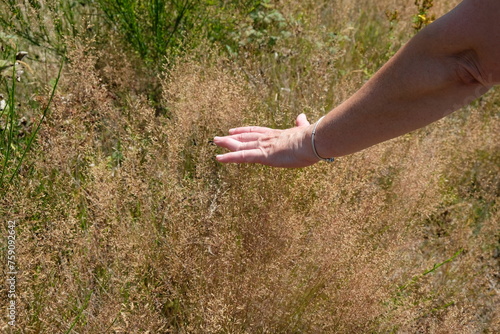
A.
pixel 448 64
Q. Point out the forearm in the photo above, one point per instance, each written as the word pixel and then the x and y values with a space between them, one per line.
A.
pixel 447 65
pixel 437 72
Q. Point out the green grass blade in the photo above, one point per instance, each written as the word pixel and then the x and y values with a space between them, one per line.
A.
pixel 44 114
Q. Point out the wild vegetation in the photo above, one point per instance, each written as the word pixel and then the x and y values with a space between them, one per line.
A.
pixel 125 223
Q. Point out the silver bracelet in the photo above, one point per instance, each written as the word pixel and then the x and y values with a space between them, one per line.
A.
pixel 314 146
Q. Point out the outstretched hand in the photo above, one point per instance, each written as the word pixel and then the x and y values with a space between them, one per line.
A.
pixel 278 148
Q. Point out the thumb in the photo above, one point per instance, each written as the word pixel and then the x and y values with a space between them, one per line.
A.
pixel 302 120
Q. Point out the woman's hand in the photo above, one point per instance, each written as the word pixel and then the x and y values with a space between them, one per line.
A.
pixel 278 148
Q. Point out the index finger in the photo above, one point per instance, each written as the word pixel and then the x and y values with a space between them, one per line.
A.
pixel 248 156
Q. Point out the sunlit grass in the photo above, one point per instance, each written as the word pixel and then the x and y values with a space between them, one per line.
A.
pixel 126 223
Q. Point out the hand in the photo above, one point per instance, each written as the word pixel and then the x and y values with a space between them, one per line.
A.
pixel 278 148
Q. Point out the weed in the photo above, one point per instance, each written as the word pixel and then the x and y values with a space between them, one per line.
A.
pixel 423 17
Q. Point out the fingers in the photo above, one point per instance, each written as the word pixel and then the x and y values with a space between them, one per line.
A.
pixel 249 129
pixel 246 156
pixel 302 120
pixel 246 137
pixel 238 142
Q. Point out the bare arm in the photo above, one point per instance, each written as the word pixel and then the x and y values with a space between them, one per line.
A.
pixel 447 65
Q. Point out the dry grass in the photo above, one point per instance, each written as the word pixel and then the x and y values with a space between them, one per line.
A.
pixel 127 224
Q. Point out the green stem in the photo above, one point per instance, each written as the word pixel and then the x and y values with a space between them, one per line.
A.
pixel 10 117
pixel 44 114
pixel 83 308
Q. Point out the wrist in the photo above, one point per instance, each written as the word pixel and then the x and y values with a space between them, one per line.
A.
pixel 305 151
pixel 313 142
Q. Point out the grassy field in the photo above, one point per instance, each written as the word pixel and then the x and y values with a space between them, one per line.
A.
pixel 125 223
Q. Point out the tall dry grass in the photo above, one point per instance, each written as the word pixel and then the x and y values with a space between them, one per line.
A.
pixel 127 224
